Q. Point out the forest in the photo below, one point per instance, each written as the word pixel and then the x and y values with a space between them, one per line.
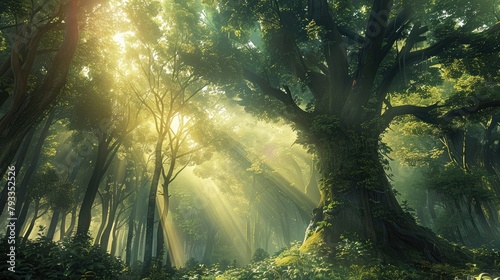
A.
pixel 250 139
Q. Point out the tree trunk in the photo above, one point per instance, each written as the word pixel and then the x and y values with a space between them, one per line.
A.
pixel 249 240
pixel 357 199
pixel 22 216
pixel 492 214
pixel 106 234
pixel 19 164
pixel 72 221
pixel 472 217
pixel 130 234
pixel 138 239
pixel 106 151
pixel 62 228
pixel 53 224
pixel 22 191
pixel 33 220
pixel 257 238
pixel 104 220
pixel 162 221
pixel 160 243
pixel 491 233
pixel 268 237
pixel 209 245
pixel 115 232
pixel 150 217
pixel 27 111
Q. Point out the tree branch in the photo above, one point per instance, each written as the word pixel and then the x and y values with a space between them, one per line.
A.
pixel 316 82
pixel 335 56
pixel 407 58
pixel 425 114
pixel 368 63
pixel 394 32
pixel 429 114
pixel 351 34
pixel 300 116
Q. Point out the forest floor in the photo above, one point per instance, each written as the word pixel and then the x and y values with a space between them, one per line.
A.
pixel 72 259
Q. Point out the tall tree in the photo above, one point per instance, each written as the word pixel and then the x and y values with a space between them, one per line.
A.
pixel 344 60
pixel 61 198
pixel 118 192
pixel 24 187
pixel 101 114
pixel 165 89
pixel 30 103
pixel 110 131
pixel 44 182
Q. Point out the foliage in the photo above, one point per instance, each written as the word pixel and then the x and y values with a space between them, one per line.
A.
pixel 351 262
pixel 259 255
pixel 453 183
pixel 293 264
pixel 43 183
pixel 69 259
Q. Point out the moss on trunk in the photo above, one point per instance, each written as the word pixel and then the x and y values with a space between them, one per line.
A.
pixel 358 200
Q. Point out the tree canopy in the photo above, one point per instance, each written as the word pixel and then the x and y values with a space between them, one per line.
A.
pixel 216 132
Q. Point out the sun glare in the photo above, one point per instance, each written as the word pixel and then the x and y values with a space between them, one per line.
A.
pixel 120 39
pixel 178 123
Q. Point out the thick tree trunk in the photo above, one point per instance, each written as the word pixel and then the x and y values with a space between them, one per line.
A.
pixel 356 198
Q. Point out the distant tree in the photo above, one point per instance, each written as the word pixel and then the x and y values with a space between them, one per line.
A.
pixel 42 184
pixel 61 197
pixel 116 193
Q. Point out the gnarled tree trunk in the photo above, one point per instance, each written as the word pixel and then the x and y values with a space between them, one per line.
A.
pixel 357 199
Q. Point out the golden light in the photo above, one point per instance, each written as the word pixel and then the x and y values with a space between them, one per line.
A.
pixel 120 39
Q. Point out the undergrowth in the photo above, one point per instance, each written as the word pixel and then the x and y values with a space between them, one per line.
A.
pixel 76 258
pixel 351 262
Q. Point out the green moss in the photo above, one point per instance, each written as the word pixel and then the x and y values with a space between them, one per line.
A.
pixel 287 261
pixel 313 243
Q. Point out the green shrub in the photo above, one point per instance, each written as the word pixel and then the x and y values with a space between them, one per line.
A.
pixel 259 255
pixel 70 259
